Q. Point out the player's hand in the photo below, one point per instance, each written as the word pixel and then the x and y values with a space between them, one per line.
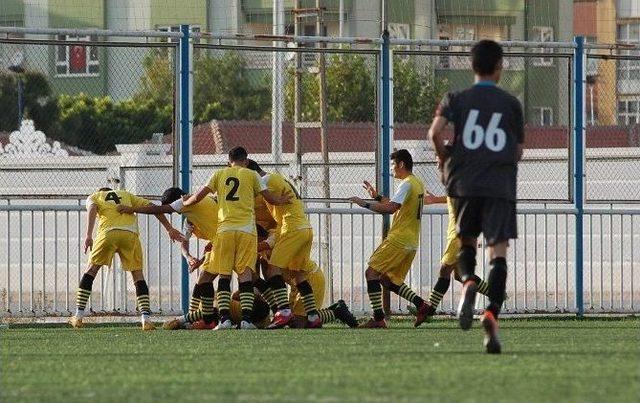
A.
pixel 122 209
pixel 285 198
pixel 175 235
pixel 208 247
pixel 262 246
pixel 357 201
pixel 370 189
pixel 88 244
pixel 194 263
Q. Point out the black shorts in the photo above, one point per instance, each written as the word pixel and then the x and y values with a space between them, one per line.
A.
pixel 494 217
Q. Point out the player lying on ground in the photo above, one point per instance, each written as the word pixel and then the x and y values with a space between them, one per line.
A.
pixel 291 251
pixel 236 243
pixel 316 277
pixel 201 221
pixel 117 234
pixel 449 260
pixel 480 174
pixel 395 254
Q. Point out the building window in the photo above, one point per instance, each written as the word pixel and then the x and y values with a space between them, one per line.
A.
pixel 545 116
pixel 467 32
pixel 628 112
pixel 543 34
pixel 77 60
pixel 629 69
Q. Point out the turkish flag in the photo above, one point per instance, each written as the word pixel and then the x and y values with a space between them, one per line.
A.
pixel 78 59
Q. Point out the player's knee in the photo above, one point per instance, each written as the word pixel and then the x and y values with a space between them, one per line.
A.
pixel 445 271
pixel 371 274
pixel 137 275
pixel 93 270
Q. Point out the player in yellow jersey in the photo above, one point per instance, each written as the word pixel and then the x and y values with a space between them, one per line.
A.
pixel 201 221
pixel 235 246
pixel 394 256
pixel 291 251
pixel 316 278
pixel 117 234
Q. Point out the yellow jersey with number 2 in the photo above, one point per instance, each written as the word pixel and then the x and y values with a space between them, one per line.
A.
pixel 237 188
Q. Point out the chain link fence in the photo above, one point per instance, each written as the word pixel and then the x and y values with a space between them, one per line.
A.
pixel 612 108
pixel 78 109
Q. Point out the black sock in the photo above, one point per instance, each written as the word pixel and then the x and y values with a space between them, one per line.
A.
pixel 207 295
pixel 84 291
pixel 279 291
pixel 261 285
pixel 194 302
pixel 246 299
pixel 407 293
pixel 441 288
pixel 374 289
pixel 483 286
pixel 224 298
pixel 497 284
pixel 308 299
pixel 142 297
pixel 467 262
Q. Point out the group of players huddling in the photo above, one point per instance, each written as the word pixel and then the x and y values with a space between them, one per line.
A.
pixel 255 226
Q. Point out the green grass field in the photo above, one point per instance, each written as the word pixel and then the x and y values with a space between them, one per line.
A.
pixel 543 360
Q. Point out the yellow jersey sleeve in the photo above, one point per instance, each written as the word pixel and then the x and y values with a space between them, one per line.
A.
pixel 137 201
pixel 213 181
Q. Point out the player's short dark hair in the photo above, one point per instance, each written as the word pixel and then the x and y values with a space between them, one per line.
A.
pixel 172 194
pixel 105 189
pixel 262 233
pixel 403 156
pixel 237 154
pixel 485 57
pixel 252 165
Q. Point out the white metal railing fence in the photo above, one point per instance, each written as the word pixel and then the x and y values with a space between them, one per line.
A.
pixel 41 261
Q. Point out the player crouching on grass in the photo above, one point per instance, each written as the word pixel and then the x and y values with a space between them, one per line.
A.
pixel 201 221
pixel 117 233
pixel 394 256
pixel 315 277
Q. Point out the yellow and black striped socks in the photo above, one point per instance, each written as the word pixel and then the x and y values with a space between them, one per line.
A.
pixel 246 299
pixel 207 297
pixel 83 294
pixel 279 292
pixel 407 293
pixel 224 298
pixel 267 294
pixel 308 300
pixel 441 287
pixel 483 287
pixel 142 298
pixel 194 302
pixel 326 315
pixel 374 289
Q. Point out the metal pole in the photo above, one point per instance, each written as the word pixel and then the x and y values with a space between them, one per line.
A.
pixel 385 140
pixel 20 100
pixel 297 104
pixel 341 19
pixel 277 81
pixel 578 162
pixel 186 124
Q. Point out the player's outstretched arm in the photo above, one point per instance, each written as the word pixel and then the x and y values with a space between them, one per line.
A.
pixel 148 209
pixel 174 234
pixel 196 197
pixel 271 198
pixel 92 211
pixel 430 198
pixel 387 207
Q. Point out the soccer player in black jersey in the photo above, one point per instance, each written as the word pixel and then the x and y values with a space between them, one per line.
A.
pixel 480 169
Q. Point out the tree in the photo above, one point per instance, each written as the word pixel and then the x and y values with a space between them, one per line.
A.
pixel 39 105
pixel 416 94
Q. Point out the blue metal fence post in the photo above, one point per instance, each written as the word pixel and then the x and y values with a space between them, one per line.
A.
pixel 578 166
pixel 385 139
pixel 186 121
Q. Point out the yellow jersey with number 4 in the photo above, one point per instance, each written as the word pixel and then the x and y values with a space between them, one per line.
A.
pixel 237 188
pixel 405 228
pixel 109 218
pixel 291 216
